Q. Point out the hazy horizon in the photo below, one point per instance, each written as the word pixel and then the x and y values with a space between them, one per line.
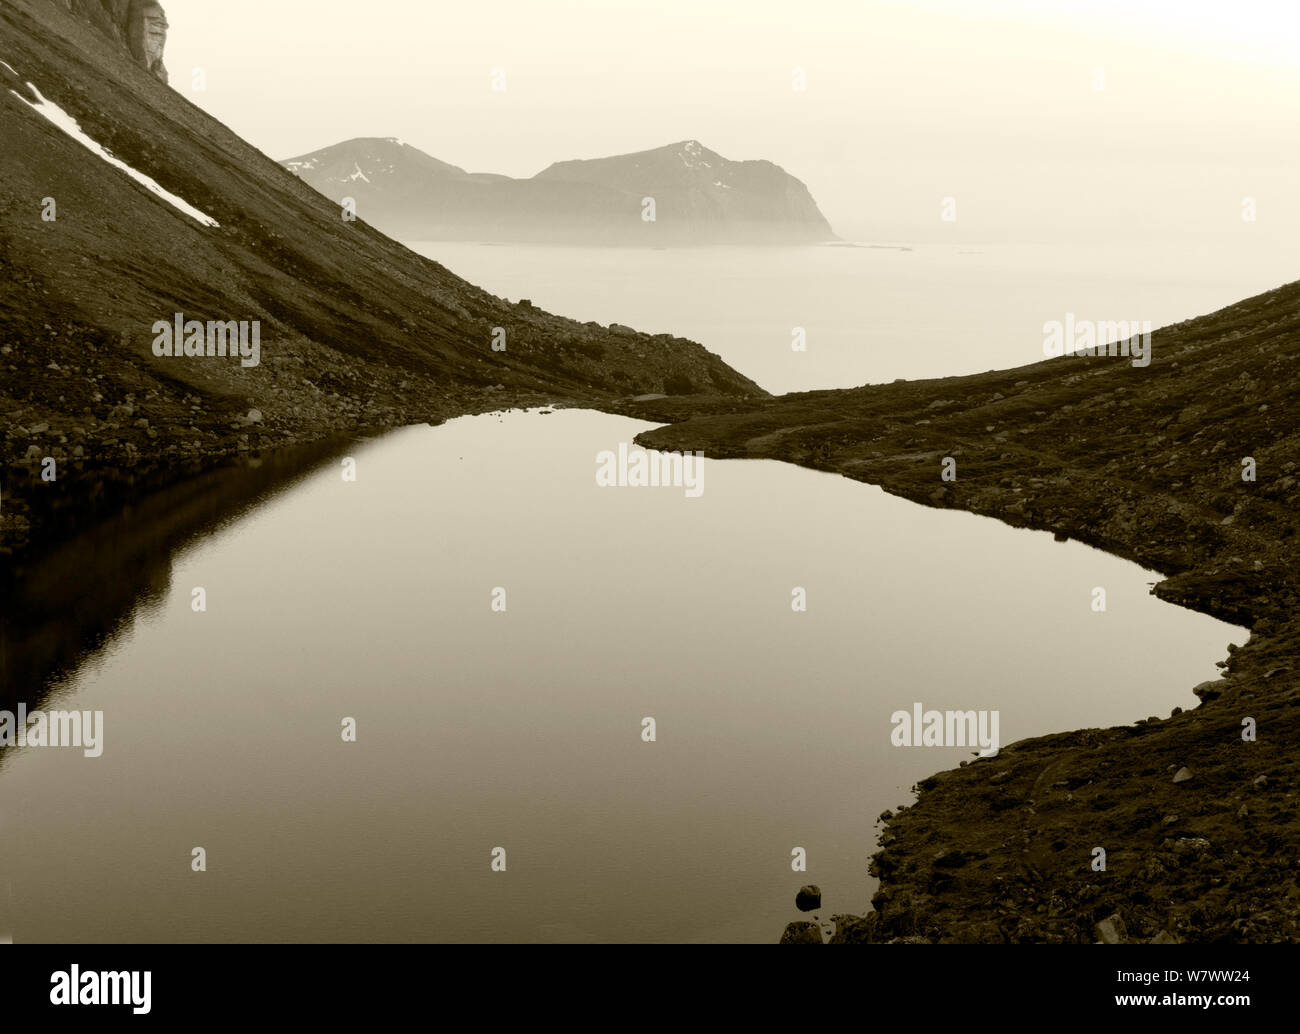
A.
pixel 906 103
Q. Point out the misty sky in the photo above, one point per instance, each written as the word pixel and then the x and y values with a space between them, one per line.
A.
pixel 987 101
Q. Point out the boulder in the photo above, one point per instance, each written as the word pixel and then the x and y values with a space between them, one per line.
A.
pixel 808 898
pixel 802 933
pixel 1111 930
pixel 1210 690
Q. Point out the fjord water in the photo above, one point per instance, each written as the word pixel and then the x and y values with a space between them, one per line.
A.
pixel 870 313
pixel 522 730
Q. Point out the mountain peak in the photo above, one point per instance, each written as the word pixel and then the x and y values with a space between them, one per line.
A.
pixel 694 154
pixel 367 159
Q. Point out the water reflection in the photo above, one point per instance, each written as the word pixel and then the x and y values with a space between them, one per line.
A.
pixel 78 598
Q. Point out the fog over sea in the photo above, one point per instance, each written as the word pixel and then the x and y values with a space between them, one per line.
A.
pixel 871 313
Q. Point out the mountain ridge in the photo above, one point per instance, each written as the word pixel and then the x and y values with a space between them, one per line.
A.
pixel 698 196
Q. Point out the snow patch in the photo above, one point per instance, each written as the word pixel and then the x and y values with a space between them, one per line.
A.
pixel 358 175
pixel 60 118
pixel 692 155
pixel 10 67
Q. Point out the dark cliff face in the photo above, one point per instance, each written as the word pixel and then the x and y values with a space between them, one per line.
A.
pixel 139 25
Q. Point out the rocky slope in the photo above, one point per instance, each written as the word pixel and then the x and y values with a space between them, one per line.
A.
pixel 1146 464
pixel 357 332
pixel 700 197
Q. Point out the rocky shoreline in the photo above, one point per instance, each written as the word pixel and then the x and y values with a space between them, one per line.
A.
pixel 1146 464
pixel 104 430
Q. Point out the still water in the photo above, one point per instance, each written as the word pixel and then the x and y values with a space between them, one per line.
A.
pixel 522 728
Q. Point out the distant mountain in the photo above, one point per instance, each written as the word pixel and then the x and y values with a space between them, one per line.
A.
pixel 699 197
